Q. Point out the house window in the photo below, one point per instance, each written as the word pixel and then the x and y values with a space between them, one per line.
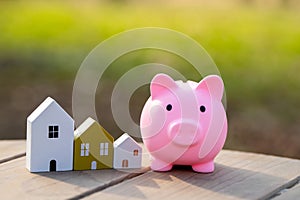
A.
pixel 84 149
pixel 53 131
pixel 135 152
pixel 103 148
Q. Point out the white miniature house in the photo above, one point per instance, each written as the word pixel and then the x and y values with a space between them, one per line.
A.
pixel 50 135
pixel 128 153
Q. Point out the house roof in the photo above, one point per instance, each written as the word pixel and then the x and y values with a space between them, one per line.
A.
pixel 86 125
pixel 43 107
pixel 83 127
pixel 124 138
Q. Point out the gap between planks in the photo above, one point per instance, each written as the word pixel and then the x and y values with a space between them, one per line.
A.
pixel 145 163
pixel 11 149
pixel 12 153
pixel 12 157
pixel 17 153
pixel 113 183
pixel 284 188
pixel 238 176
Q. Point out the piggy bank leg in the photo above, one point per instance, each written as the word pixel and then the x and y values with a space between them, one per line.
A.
pixel 158 165
pixel 207 167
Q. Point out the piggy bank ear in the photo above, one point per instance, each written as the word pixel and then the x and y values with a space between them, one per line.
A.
pixel 160 84
pixel 214 85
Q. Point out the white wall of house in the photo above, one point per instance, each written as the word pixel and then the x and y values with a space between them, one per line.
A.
pixel 41 149
pixel 125 151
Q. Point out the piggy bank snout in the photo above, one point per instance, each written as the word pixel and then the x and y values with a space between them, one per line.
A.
pixel 184 132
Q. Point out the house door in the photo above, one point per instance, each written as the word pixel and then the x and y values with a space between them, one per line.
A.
pixel 124 163
pixel 94 165
pixel 52 166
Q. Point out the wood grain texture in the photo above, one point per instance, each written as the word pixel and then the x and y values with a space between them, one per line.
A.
pixel 11 149
pixel 17 181
pixel 237 176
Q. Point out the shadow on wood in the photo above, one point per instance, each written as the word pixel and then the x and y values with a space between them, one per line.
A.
pixel 226 181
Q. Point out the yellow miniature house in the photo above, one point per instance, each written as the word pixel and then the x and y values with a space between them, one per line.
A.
pixel 93 147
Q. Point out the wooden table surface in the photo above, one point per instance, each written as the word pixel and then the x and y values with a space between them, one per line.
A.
pixel 238 175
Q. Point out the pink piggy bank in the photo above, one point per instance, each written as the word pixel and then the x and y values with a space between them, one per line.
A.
pixel 184 123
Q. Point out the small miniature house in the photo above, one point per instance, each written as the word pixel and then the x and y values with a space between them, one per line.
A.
pixel 128 153
pixel 93 146
pixel 50 134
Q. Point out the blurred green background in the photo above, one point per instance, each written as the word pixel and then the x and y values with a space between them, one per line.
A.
pixel 255 44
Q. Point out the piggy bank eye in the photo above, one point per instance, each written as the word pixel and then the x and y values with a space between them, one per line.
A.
pixel 202 109
pixel 169 107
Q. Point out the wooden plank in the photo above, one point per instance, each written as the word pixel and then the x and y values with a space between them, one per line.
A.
pixel 16 181
pixel 290 193
pixel 11 149
pixel 238 176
